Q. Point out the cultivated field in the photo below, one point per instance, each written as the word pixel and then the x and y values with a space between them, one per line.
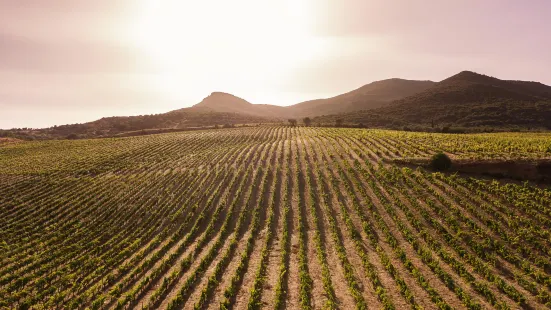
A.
pixel 270 217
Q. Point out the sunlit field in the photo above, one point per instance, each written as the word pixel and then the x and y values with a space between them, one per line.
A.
pixel 271 217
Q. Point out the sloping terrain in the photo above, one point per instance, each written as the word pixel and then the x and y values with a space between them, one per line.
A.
pixel 467 99
pixel 187 118
pixel 271 216
pixel 224 102
pixel 222 108
pixel 370 96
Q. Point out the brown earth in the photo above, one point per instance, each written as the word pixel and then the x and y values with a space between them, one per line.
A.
pixel 518 170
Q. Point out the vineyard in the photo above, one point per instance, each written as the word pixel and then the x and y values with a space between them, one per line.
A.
pixel 271 217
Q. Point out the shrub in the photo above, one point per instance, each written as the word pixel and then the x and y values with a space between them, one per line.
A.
pixel 549 149
pixel 440 162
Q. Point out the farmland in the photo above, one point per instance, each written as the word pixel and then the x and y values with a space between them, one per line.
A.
pixel 271 217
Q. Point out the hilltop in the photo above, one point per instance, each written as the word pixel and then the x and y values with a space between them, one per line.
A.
pixel 467 99
pixel 228 103
pixel 220 108
pixel 370 96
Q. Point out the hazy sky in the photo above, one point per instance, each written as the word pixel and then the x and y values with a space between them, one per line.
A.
pixel 69 61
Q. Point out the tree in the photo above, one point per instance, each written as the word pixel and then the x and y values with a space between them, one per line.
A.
pixel 307 121
pixel 292 122
pixel 440 162
pixel 338 122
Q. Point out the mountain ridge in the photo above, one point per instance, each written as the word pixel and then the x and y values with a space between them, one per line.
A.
pixel 369 96
pixel 228 103
pixel 466 99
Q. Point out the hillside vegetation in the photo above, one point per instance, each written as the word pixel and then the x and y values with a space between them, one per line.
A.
pixel 374 95
pixel 223 102
pixel 271 216
pixel 467 100
pixel 119 125
pixel 370 96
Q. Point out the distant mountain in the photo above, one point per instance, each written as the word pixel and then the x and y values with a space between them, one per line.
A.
pixel 370 96
pixel 467 99
pixel 227 103
pixel 183 119
pixel 222 108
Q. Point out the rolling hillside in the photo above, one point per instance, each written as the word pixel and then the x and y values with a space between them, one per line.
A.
pixel 221 108
pixel 183 119
pixel 466 99
pixel 227 103
pixel 370 96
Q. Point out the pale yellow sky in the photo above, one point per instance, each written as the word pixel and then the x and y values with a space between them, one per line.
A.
pixel 68 61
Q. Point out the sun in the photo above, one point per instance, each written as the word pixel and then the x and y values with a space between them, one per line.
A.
pixel 217 40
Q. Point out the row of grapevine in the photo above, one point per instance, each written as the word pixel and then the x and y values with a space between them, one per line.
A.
pixel 270 216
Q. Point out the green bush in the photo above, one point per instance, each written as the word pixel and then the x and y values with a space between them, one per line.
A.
pixel 440 162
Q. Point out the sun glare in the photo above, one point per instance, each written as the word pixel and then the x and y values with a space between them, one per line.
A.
pixel 225 41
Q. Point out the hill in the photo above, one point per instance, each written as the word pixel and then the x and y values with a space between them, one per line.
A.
pixel 183 119
pixel 221 108
pixel 227 103
pixel 467 99
pixel 370 96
